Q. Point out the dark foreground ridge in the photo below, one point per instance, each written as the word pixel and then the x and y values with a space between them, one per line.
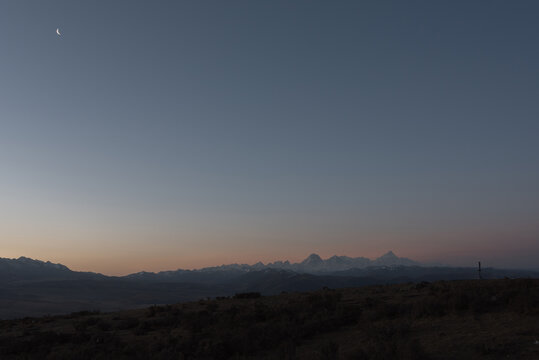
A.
pixel 468 319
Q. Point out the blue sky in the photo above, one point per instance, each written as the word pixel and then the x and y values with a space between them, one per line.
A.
pixel 174 134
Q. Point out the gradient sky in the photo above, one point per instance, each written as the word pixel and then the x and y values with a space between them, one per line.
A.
pixel 155 135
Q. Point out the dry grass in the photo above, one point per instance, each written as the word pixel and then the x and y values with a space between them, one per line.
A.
pixel 491 319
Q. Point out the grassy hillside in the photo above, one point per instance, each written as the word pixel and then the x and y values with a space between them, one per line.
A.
pixel 491 319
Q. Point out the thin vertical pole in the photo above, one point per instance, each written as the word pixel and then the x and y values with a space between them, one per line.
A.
pixel 479 269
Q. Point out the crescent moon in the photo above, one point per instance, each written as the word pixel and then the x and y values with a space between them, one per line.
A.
pixel 58 32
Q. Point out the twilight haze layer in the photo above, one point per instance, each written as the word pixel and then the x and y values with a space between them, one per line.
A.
pixel 158 135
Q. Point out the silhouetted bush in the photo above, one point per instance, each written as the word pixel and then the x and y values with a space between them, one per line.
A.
pixel 84 313
pixel 247 295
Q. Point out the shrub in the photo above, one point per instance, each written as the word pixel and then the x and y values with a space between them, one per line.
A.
pixel 247 295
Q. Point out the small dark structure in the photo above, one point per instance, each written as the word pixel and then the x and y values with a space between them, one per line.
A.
pixel 479 270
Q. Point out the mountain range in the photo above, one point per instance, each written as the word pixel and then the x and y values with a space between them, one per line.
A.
pixel 313 264
pixel 34 288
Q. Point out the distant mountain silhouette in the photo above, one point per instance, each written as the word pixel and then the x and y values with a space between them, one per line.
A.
pixel 26 269
pixel 313 264
pixel 390 259
pixel 33 288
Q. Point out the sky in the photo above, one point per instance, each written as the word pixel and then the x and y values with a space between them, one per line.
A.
pixel 156 135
